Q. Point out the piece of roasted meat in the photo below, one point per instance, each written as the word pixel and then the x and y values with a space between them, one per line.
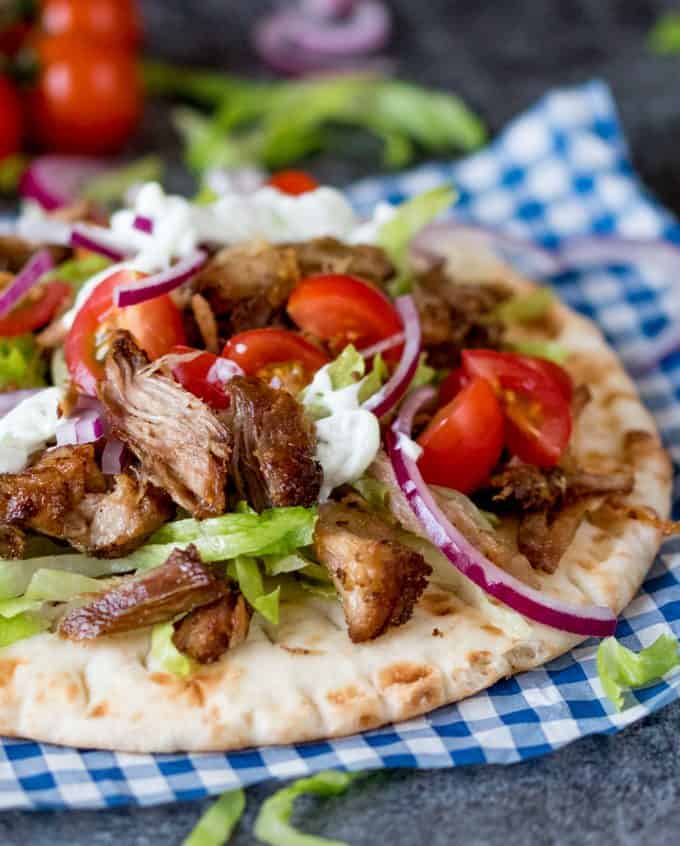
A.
pixel 328 255
pixel 272 446
pixel 379 580
pixel 181 444
pixel 208 632
pixel 65 495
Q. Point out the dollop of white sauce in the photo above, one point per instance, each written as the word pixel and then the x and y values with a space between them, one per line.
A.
pixel 348 439
pixel 27 428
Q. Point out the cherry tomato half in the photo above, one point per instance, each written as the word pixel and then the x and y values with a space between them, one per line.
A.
pixel 536 398
pixel 452 385
pixel 87 99
pixel 32 314
pixel 156 325
pixel 345 310
pixel 113 22
pixel 293 182
pixel 464 439
pixel 258 348
pixel 11 122
pixel 192 374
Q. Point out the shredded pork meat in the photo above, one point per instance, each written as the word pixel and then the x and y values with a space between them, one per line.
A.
pixel 179 441
pixel 206 633
pixel 379 580
pixel 328 255
pixel 157 596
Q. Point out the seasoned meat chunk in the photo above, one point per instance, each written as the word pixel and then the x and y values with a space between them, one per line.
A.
pixel 544 537
pixel 247 285
pixel 181 444
pixel 455 316
pixel 272 446
pixel 328 255
pixel 379 579
pixel 208 632
pixel 65 495
pixel 176 587
pixel 12 542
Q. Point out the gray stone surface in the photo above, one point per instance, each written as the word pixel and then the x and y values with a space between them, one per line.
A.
pixel 620 790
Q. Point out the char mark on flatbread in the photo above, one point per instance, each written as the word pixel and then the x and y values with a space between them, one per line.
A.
pixel 180 443
pixel 272 446
pixel 65 495
pixel 206 633
pixel 157 596
pixel 379 580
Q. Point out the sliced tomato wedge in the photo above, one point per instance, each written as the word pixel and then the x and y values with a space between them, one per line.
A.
pixel 293 182
pixel 192 374
pixel 32 314
pixel 464 439
pixel 258 348
pixel 536 397
pixel 346 310
pixel 156 325
pixel 452 385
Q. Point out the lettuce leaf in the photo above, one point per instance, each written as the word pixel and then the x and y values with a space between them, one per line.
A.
pixel 278 531
pixel 620 668
pixel 395 235
pixel 19 627
pixel 110 188
pixel 21 364
pixel 526 308
pixel 664 38
pixel 15 576
pixel 374 380
pixel 550 350
pixel 246 572
pixel 424 375
pixel 77 271
pixel 60 586
pixel 12 607
pixel 216 825
pixel 164 656
pixel 347 369
pixel 273 825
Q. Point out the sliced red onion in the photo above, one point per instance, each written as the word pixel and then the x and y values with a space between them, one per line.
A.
pixel 160 283
pixel 383 346
pixel 143 223
pixel 587 620
pixel 222 371
pixel 11 399
pixel 56 181
pixel 328 9
pixel 113 457
pixel 394 389
pixel 82 428
pixel 97 239
pixel 38 265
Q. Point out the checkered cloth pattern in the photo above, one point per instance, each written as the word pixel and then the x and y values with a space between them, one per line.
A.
pixel 561 169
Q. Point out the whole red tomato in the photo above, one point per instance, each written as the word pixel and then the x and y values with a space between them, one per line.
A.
pixel 11 128
pixel 113 22
pixel 86 99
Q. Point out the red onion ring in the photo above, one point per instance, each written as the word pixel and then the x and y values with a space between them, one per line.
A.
pixel 383 346
pixel 97 239
pixel 82 428
pixel 56 181
pixel 585 620
pixel 11 399
pixel 38 265
pixel 113 457
pixel 160 283
pixel 143 223
pixel 328 9
pixel 394 389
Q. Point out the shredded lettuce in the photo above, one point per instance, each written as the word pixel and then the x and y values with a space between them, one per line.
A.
pixel 110 187
pixel 77 271
pixel 346 369
pixel 396 234
pixel 164 656
pixel 273 825
pixel 620 668
pixel 15 576
pixel 277 123
pixel 374 380
pixel 424 375
pixel 60 586
pixel 278 565
pixel 246 572
pixel 11 170
pixel 526 308
pixel 664 38
pixel 216 825
pixel 278 531
pixel 550 350
pixel 12 607
pixel 374 492
pixel 19 627
pixel 21 364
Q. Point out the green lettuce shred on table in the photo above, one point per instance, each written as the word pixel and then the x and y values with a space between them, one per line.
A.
pixel 21 364
pixel 664 37
pixel 620 668
pixel 277 123
pixel 217 823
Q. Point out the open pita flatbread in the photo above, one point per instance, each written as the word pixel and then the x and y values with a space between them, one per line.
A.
pixel 305 679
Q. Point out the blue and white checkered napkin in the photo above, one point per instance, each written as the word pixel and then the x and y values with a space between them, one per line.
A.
pixel 559 170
